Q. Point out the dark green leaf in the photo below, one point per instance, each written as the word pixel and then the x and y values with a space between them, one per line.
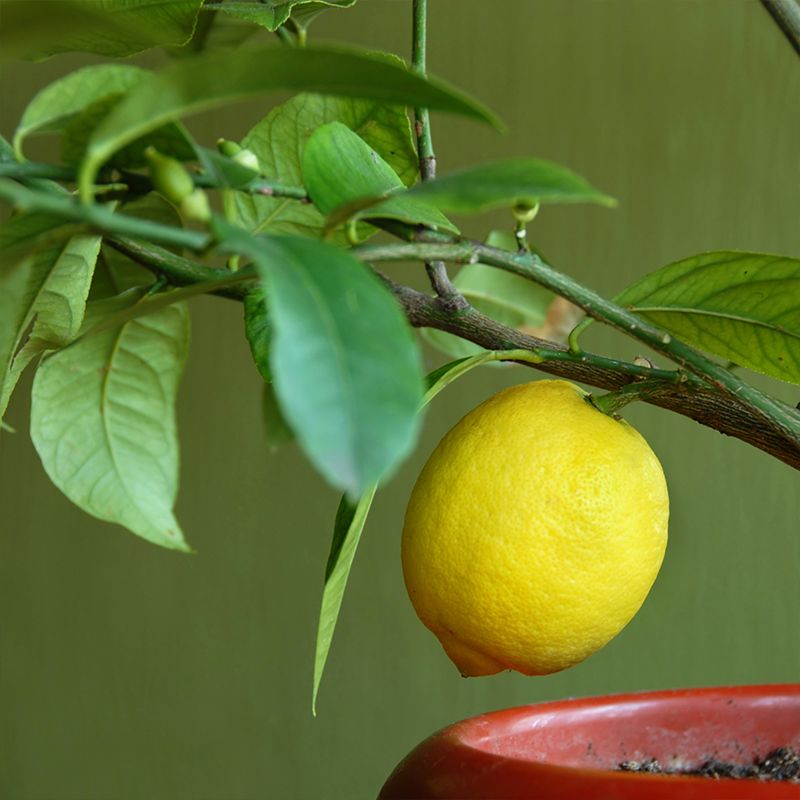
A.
pixel 505 183
pixel 340 167
pixel 744 307
pixel 103 422
pixel 109 27
pixel 350 519
pixel 216 79
pixel 343 360
pixel 279 141
pixel 276 428
pixel 258 330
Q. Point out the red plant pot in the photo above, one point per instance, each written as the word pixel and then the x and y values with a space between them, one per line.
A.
pixel 571 749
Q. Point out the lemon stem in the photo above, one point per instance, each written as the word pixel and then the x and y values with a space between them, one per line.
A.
pixel 613 402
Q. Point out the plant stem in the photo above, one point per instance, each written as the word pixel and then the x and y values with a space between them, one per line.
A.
pixel 100 217
pixel 427 158
pixel 33 169
pixel 786 14
pixel 715 398
pixel 436 269
pixel 529 265
pixel 613 402
pixel 691 398
pixel 178 270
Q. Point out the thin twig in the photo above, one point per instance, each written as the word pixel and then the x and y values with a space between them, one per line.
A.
pixel 437 270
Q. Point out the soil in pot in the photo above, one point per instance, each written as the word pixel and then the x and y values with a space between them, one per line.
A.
pixel 780 764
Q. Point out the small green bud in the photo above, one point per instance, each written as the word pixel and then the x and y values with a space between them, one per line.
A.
pixel 228 148
pixel 169 176
pixel 524 212
pixel 195 206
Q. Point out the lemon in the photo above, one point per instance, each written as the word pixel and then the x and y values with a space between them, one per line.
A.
pixel 534 531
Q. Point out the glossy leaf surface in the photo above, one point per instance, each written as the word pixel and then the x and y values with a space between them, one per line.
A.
pixel 505 183
pixel 344 363
pixel 212 80
pixel 340 167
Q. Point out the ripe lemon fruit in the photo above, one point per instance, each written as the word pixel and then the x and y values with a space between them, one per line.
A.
pixel 534 531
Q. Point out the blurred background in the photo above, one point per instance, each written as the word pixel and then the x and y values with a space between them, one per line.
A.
pixel 130 672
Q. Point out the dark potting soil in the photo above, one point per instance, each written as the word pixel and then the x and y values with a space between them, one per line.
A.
pixel 781 764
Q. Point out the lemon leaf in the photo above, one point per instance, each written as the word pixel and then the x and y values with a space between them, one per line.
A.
pixel 54 106
pixel 744 307
pixel 346 369
pixel 212 80
pixel 108 27
pixel 339 167
pixel 350 519
pixel 276 428
pixel 103 421
pixel 280 139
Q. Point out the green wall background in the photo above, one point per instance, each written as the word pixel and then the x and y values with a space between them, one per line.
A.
pixel 128 672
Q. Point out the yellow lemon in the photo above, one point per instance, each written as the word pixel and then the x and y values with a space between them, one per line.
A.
pixel 534 532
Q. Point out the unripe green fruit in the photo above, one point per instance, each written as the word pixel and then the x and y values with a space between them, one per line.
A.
pixel 195 206
pixel 169 176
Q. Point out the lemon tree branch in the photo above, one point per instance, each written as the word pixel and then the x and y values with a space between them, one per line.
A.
pixel 769 411
pixel 673 390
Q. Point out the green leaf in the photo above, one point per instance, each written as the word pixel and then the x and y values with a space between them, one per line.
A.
pixel 258 330
pixel 350 519
pixel 340 167
pixel 506 183
pixel 55 105
pixel 103 422
pixel 216 79
pixel 113 28
pixel 15 280
pixel 744 307
pixel 273 13
pixel 279 141
pixel 48 312
pixel 303 14
pixel 343 359
pixel 276 427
